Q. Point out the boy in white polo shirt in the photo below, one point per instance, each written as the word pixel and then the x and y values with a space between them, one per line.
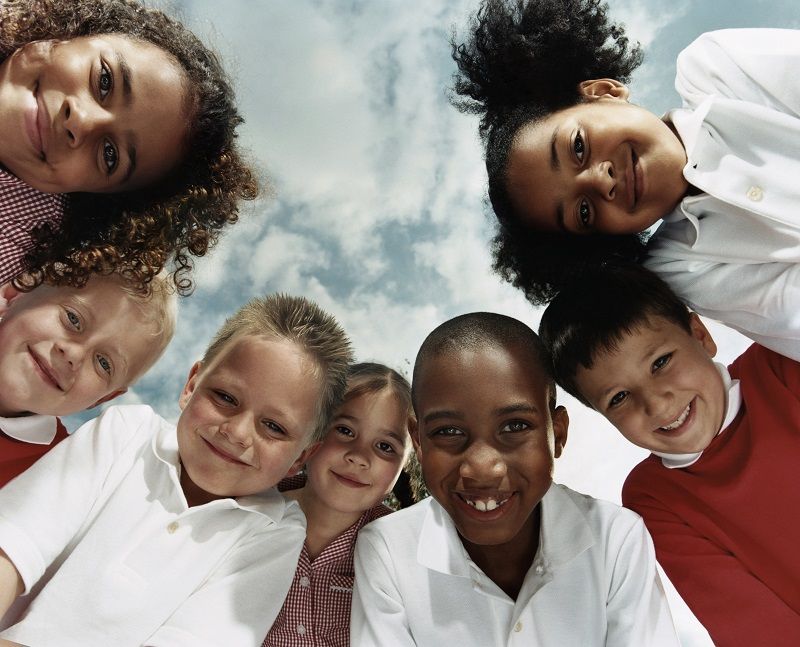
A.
pixel 500 555
pixel 133 532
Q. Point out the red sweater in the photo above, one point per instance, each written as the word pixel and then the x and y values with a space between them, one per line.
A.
pixel 16 455
pixel 727 528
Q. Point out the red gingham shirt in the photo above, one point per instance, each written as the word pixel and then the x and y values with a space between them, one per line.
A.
pixel 316 612
pixel 22 208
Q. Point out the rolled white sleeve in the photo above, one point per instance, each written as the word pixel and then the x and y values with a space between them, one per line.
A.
pixel 43 508
pixel 378 616
pixel 637 609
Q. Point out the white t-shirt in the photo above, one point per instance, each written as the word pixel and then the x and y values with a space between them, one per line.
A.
pixel 592 582
pixel 111 555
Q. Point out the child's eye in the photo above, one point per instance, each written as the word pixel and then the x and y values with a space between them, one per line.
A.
pixel 584 214
pixel 385 447
pixel 274 427
pixel 344 431
pixel 447 432
pixel 110 157
pixel 662 361
pixel 225 398
pixel 73 319
pixel 617 399
pixel 105 81
pixel 579 147
pixel 515 426
pixel 103 363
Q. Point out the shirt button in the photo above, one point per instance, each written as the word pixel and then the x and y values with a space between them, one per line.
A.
pixel 539 569
pixel 755 193
pixel 304 582
pixel 171 528
pixel 301 630
pixel 518 627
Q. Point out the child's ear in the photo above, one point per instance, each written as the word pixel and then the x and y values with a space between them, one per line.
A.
pixel 108 397
pixel 701 334
pixel 603 89
pixel 307 453
pixel 7 294
pixel 191 383
pixel 413 431
pixel 560 427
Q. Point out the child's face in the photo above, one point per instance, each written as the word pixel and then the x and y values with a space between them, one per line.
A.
pixel 100 114
pixel 247 417
pixel 362 455
pixel 603 166
pixel 660 387
pixel 66 349
pixel 486 438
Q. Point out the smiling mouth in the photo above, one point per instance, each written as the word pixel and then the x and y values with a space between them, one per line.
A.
pixel 41 123
pixel 44 370
pixel 348 481
pixel 485 504
pixel 633 180
pixel 224 455
pixel 680 420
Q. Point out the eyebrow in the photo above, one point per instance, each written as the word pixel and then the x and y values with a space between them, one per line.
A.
pixel 436 415
pixel 555 163
pixel 517 407
pixel 127 94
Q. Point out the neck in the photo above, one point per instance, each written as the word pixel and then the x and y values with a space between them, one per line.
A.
pixel 323 523
pixel 194 494
pixel 507 564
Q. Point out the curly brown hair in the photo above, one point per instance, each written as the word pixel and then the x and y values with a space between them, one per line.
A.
pixel 138 233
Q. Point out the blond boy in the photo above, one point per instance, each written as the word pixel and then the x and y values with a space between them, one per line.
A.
pixel 175 536
pixel 66 349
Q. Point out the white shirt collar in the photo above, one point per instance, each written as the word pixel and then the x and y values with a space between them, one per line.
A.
pixel 563 535
pixel 733 404
pixel 36 429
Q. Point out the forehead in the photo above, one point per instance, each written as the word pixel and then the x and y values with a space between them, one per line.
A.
pixel 471 380
pixel 382 409
pixel 263 354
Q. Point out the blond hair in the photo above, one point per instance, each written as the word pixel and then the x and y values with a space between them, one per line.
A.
pixel 304 323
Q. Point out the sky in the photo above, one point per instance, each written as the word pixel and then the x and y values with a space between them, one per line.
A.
pixel 376 202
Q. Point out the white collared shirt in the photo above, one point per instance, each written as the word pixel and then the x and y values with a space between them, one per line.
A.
pixel 103 538
pixel 36 429
pixel 732 252
pixel 733 402
pixel 593 582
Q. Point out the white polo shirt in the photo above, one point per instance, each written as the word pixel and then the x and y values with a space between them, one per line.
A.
pixel 593 582
pixel 111 555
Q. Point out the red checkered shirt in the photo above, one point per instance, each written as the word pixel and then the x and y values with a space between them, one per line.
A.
pixel 317 609
pixel 22 208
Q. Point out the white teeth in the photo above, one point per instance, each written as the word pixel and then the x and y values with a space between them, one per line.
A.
pixel 681 419
pixel 485 506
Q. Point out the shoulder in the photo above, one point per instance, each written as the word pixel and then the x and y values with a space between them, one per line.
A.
pixel 757 365
pixel 603 517
pixel 401 527
pixel 639 481
pixel 123 425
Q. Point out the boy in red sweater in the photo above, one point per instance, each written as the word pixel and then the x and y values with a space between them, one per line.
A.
pixel 66 349
pixel 720 490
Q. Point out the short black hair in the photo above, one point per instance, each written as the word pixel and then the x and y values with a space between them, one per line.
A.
pixel 594 313
pixel 479 330
pixel 522 61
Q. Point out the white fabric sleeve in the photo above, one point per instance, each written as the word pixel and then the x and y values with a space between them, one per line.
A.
pixel 240 600
pixel 762 301
pixel 378 616
pixel 42 509
pixel 637 610
pixel 756 65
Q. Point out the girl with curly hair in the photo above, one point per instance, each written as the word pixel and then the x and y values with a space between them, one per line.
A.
pixel 577 173
pixel 119 116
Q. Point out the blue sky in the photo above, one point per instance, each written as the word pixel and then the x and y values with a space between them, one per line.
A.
pixel 377 184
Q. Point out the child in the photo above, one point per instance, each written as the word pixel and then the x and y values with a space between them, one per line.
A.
pixel 175 536
pixel 577 173
pixel 346 480
pixel 104 97
pixel 64 349
pixel 720 490
pixel 500 555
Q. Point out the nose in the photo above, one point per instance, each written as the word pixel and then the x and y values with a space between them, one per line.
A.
pixel 482 462
pixel 82 118
pixel 657 402
pixel 71 354
pixel 237 430
pixel 601 179
pixel 357 456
